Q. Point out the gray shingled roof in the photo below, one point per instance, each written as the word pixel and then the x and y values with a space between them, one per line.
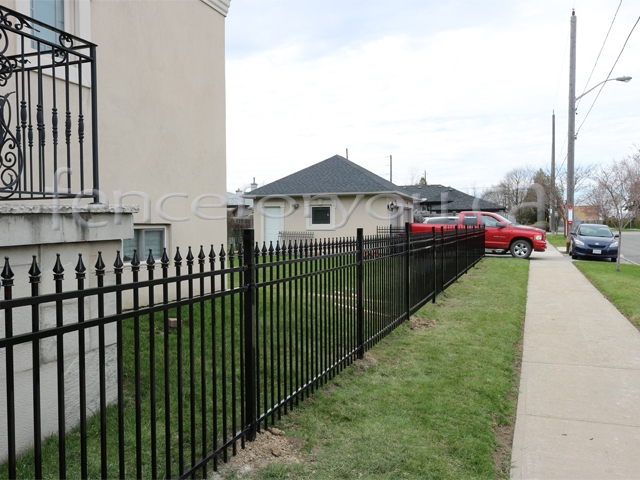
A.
pixel 333 175
pixel 458 201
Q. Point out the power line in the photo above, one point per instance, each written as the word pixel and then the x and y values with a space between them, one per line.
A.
pixel 608 76
pixel 602 48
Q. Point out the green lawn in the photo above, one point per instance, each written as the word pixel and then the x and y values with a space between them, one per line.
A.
pixel 558 240
pixel 428 401
pixel 619 287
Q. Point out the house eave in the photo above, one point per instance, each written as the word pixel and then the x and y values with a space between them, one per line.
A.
pixel 318 194
pixel 221 6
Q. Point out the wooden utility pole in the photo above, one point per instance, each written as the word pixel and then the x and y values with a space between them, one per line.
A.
pixel 552 201
pixel 571 139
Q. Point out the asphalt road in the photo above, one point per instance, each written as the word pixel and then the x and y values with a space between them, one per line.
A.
pixel 631 247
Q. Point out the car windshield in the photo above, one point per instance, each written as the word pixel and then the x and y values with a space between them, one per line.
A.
pixel 595 231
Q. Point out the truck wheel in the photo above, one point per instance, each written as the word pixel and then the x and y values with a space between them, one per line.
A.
pixel 521 249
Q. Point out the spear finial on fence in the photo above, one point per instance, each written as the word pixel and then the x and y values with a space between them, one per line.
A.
pixel 150 260
pixel 100 266
pixel 80 268
pixel 34 271
pixel 135 261
pixel 177 259
pixel 58 270
pixel 189 257
pixel 118 265
pixel 201 256
pixel 7 274
pixel 164 260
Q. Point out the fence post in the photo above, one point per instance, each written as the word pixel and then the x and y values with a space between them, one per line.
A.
pixel 443 257
pixel 434 257
pixel 34 280
pixel 249 336
pixel 58 277
pixel 407 269
pixel 466 249
pixel 7 287
pixel 360 291
pixel 457 254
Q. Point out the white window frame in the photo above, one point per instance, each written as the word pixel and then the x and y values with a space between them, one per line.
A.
pixel 143 254
pixel 77 21
pixel 322 202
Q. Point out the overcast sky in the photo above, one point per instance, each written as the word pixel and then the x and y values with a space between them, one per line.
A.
pixel 461 89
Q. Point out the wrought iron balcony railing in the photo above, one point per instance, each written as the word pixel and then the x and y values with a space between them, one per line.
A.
pixel 48 112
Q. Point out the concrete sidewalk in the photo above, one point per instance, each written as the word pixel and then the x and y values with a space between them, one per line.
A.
pixel 578 411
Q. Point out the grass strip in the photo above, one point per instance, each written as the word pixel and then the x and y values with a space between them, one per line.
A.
pixel 616 286
pixel 558 240
pixel 427 401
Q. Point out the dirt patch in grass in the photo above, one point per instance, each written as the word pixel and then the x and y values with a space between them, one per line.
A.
pixel 504 433
pixel 269 446
pixel 416 322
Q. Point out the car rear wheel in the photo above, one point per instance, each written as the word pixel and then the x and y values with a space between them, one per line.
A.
pixel 521 249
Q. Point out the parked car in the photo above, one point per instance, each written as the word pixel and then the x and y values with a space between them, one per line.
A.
pixel 593 240
pixel 501 234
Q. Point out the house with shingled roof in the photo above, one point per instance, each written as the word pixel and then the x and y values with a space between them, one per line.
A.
pixel 332 198
pixel 438 200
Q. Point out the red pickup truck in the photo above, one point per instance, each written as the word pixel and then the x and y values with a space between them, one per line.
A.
pixel 500 233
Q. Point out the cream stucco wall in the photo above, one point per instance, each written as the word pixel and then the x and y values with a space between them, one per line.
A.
pixel 162 113
pixel 348 213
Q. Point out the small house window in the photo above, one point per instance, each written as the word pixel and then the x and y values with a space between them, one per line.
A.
pixel 144 239
pixel 321 215
pixel 50 12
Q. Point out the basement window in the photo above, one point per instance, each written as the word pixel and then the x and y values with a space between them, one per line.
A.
pixel 144 239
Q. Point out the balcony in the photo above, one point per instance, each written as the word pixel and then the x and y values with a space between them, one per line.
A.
pixel 48 112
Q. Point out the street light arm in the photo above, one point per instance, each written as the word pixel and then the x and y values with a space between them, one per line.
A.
pixel 619 79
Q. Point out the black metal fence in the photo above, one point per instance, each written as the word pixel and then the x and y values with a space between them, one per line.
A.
pixel 48 92
pixel 171 388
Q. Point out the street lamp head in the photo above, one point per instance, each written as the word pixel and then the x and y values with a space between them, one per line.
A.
pixel 624 79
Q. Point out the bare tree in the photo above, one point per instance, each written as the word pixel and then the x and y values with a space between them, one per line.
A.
pixel 512 189
pixel 582 175
pixel 417 176
pixel 597 198
pixel 617 187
